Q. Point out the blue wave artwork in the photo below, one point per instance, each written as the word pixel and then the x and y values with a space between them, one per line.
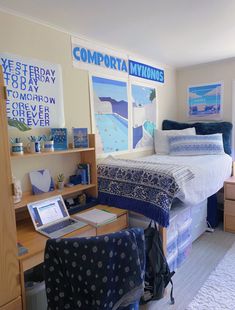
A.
pixel 205 100
pixel 111 114
pixel 144 115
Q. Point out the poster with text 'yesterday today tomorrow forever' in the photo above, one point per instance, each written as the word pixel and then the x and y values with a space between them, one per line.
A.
pixel 34 91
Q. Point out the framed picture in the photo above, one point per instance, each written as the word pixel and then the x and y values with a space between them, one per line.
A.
pixel 80 137
pixel 41 181
pixel 60 138
pixel 109 110
pixel 144 114
pixel 205 101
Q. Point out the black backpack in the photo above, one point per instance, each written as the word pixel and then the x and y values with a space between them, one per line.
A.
pixel 157 272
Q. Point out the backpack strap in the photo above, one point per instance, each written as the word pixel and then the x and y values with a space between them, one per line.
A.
pixel 171 294
pixel 155 224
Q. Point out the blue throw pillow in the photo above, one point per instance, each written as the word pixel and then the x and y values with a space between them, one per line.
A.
pixel 196 145
pixel 203 128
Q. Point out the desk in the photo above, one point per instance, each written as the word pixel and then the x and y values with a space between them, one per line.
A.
pixel 35 242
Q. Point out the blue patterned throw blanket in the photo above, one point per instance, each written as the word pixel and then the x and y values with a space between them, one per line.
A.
pixel 95 273
pixel 144 187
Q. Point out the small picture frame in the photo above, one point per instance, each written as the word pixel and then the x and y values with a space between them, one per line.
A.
pixel 41 181
pixel 205 101
pixel 60 138
pixel 80 137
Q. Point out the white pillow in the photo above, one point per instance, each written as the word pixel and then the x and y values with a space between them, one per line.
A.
pixel 161 143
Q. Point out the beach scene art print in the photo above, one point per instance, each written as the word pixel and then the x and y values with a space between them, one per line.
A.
pixel 205 101
pixel 110 105
pixel 144 115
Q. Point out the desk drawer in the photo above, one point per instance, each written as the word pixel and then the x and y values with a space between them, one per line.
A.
pixel 78 234
pixel 16 304
pixel 229 191
pixel 229 223
pixel 229 207
pixel 32 261
pixel 119 224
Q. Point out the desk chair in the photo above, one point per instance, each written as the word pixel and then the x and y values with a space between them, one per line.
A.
pixel 95 273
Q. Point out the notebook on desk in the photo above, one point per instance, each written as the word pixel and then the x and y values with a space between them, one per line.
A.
pixel 96 217
pixel 51 218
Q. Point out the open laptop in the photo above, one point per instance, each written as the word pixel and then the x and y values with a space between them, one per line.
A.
pixel 51 218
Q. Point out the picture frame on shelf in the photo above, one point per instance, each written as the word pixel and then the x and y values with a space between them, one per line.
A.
pixel 80 137
pixel 41 181
pixel 60 138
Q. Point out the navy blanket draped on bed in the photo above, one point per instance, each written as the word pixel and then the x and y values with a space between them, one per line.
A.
pixel 144 187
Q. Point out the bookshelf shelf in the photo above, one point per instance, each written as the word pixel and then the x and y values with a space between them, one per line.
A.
pixel 64 152
pixel 29 197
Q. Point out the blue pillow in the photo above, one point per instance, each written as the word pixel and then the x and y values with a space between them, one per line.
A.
pixel 203 128
pixel 196 145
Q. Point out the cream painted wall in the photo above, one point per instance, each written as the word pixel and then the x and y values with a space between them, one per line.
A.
pixel 28 39
pixel 206 73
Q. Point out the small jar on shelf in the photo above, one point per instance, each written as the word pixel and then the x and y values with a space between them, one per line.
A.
pixel 17 147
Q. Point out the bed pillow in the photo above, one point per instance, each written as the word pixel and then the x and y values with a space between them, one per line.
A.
pixel 161 143
pixel 196 145
pixel 203 128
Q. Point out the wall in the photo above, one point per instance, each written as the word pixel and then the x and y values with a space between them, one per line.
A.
pixel 206 73
pixel 33 40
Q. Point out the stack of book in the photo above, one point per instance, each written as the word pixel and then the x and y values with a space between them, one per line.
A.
pixel 84 171
pixel 96 217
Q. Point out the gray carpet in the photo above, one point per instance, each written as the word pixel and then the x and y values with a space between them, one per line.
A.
pixel 218 292
pixel 206 253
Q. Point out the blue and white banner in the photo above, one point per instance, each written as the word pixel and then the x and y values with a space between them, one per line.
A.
pixel 89 57
pixel 34 91
pixel 146 72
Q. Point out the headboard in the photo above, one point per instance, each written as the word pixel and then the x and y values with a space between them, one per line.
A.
pixel 205 129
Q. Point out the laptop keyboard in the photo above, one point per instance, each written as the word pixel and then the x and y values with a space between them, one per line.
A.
pixel 58 226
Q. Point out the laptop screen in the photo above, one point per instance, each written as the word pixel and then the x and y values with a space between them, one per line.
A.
pixel 47 211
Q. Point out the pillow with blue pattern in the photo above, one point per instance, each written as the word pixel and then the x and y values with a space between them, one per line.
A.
pixel 196 145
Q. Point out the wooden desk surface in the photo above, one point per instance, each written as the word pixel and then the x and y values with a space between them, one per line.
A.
pixel 35 242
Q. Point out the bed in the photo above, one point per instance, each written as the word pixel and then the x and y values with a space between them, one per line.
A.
pixel 191 179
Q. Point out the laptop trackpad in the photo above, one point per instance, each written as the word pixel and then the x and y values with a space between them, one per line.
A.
pixel 66 230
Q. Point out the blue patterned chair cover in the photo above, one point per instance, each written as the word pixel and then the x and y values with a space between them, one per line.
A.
pixel 95 273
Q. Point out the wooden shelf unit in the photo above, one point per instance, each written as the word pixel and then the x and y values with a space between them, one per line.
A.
pixel 87 155
pixel 26 233
pixel 10 289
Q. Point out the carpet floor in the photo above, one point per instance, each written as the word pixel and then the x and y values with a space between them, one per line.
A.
pixel 218 292
pixel 207 252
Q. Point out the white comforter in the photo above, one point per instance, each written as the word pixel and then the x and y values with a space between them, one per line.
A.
pixel 210 173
